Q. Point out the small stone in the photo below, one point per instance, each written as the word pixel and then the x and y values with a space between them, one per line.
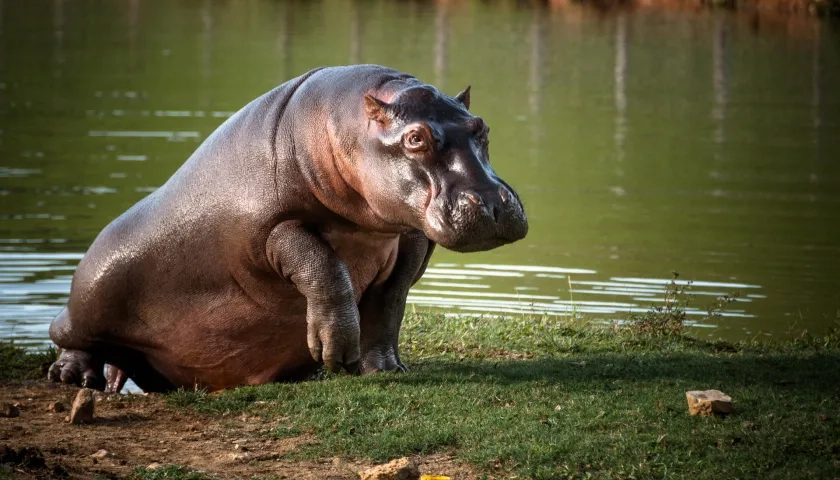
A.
pixel 241 457
pixel 8 410
pixel 706 402
pixel 102 453
pixel 399 469
pixel 240 447
pixel 56 407
pixel 82 411
pixel 153 466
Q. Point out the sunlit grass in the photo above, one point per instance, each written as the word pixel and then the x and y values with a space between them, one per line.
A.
pixel 540 399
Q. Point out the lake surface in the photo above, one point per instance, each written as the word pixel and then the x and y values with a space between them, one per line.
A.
pixel 640 142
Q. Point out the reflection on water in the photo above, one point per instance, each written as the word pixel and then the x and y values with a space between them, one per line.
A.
pixel 27 304
pixel 640 143
pixel 33 289
pixel 546 295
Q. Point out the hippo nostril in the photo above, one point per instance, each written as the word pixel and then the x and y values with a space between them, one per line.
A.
pixel 497 211
pixel 503 193
pixel 475 199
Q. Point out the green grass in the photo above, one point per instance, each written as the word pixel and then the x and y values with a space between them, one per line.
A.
pixel 17 363
pixel 537 398
pixel 167 472
pixel 534 398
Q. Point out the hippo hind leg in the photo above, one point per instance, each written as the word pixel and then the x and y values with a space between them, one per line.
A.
pixel 129 363
pixel 75 365
pixel 82 362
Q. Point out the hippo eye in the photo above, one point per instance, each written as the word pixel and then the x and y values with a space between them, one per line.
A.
pixel 414 141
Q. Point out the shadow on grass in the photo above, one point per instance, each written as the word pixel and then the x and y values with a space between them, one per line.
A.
pixel 797 375
pixel 821 371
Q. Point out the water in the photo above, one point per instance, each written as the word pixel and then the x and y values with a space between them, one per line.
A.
pixel 641 143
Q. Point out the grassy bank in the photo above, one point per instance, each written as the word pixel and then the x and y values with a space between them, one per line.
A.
pixel 17 363
pixel 531 398
pixel 535 399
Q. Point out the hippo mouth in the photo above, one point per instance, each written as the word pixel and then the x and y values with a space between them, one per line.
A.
pixel 474 221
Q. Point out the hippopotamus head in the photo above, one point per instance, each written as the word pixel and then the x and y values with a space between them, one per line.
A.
pixel 425 151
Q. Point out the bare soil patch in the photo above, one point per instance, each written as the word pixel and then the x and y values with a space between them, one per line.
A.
pixel 139 430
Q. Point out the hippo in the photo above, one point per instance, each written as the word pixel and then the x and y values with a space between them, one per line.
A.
pixel 288 240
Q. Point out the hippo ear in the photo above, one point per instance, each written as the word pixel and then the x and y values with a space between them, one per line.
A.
pixel 376 109
pixel 464 97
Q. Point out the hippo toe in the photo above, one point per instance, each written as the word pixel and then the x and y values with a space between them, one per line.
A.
pixel 75 367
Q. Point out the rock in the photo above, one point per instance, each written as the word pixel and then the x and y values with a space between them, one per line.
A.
pixel 101 454
pixel 706 402
pixel 399 469
pixel 153 466
pixel 241 457
pixel 8 410
pixel 56 407
pixel 82 411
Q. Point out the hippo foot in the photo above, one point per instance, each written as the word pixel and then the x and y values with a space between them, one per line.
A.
pixel 115 379
pixel 75 367
pixel 374 362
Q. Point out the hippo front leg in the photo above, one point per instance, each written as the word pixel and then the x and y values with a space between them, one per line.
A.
pixel 382 306
pixel 332 316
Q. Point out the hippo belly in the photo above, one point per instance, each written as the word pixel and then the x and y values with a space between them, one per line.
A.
pixel 242 343
pixel 254 331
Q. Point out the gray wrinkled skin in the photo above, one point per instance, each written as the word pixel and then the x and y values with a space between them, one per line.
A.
pixel 289 238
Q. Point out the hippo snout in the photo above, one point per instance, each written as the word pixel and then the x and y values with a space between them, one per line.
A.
pixel 482 219
pixel 489 204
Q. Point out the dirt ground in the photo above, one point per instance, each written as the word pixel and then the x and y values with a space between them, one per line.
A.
pixel 139 430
